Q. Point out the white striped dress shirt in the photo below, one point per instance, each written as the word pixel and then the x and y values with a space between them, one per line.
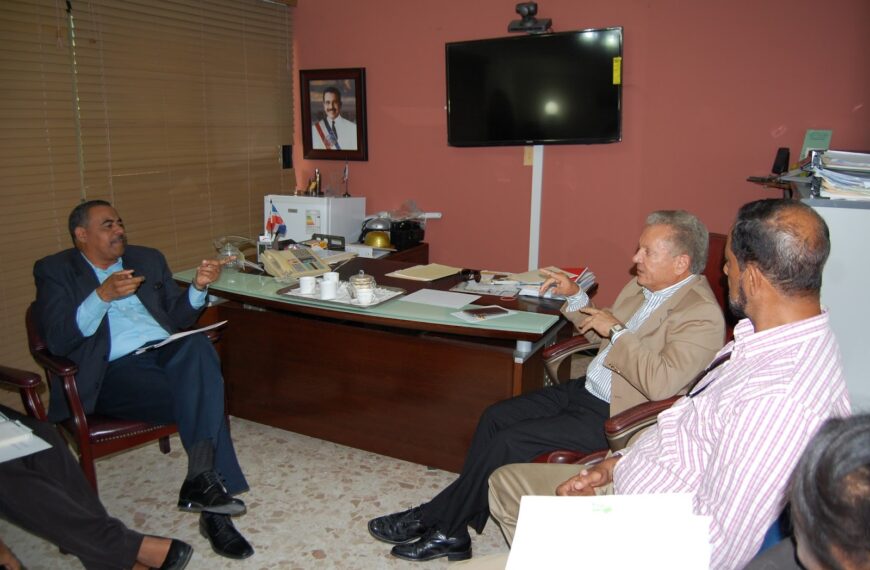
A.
pixel 598 376
pixel 735 442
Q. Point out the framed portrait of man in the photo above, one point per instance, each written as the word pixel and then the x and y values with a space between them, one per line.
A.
pixel 333 113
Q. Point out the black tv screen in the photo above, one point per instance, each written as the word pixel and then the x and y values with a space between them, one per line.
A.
pixel 561 88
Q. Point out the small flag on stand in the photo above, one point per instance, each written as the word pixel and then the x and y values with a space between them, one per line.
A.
pixel 275 224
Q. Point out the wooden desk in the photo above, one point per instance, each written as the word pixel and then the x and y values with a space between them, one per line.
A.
pixel 376 379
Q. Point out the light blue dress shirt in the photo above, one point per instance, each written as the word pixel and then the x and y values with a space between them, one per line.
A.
pixel 130 323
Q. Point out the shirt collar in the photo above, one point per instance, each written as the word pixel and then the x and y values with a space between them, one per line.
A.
pixel 667 292
pixel 117 266
pixel 746 340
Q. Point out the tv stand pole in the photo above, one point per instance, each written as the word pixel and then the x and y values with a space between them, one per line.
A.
pixel 535 214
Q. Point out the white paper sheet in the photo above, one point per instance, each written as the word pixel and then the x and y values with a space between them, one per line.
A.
pixel 440 298
pixel 613 531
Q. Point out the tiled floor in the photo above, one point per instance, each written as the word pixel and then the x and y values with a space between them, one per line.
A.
pixel 307 508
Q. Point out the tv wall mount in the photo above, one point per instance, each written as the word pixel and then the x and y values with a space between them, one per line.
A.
pixel 528 22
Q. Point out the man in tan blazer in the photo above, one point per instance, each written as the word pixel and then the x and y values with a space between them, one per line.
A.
pixel 664 327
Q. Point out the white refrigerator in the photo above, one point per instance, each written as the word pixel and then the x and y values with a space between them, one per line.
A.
pixel 308 215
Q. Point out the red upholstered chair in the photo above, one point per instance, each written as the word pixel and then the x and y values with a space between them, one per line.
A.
pixel 620 428
pixel 92 435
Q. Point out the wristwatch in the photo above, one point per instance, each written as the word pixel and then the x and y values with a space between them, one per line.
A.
pixel 617 328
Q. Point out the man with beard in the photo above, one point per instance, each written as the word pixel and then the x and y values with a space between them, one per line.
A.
pixel 99 302
pixel 734 440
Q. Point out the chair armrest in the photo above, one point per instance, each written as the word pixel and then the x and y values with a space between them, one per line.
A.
pixel 57 365
pixel 27 383
pixel 620 428
pixel 554 355
pixel 571 457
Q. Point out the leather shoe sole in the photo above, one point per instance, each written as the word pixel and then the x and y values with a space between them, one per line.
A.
pixel 178 556
pixel 225 540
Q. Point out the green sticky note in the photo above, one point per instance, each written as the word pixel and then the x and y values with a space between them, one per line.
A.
pixel 816 140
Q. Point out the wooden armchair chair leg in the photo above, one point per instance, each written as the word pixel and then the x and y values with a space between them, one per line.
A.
pixel 163 443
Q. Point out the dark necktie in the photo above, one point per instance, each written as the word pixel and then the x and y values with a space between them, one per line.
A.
pixel 713 365
pixel 333 134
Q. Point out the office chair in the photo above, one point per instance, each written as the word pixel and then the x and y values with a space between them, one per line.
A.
pixel 92 435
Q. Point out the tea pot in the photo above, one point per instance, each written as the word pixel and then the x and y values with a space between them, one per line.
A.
pixel 360 281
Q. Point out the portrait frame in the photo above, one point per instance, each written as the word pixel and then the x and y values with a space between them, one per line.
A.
pixel 351 85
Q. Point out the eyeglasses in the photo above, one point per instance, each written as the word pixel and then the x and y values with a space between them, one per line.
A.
pixel 470 275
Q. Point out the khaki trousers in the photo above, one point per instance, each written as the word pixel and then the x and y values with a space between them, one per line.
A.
pixel 507 485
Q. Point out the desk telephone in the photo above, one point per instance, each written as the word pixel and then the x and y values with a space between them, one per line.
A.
pixel 292 263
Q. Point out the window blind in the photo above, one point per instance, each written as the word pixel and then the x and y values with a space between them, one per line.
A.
pixel 179 114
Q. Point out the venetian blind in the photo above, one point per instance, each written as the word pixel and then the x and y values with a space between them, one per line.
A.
pixel 182 105
pixel 39 175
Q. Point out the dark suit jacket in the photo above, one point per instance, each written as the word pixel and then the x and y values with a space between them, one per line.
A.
pixel 64 280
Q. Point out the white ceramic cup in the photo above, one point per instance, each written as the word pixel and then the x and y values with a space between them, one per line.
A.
pixel 365 296
pixel 328 289
pixel 307 285
pixel 331 276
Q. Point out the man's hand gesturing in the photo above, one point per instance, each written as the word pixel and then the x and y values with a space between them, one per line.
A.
pixel 119 285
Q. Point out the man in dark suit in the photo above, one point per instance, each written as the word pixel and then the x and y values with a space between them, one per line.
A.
pixel 97 303
pixel 47 494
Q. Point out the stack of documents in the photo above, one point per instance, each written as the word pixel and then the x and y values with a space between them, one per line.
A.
pixel 661 530
pixel 429 272
pixel 845 175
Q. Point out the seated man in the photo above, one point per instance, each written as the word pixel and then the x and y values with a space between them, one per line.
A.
pixel 830 502
pixel 46 493
pixel 735 438
pixel 664 326
pixel 96 304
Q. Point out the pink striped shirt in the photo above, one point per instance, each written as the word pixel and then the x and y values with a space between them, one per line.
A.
pixel 735 443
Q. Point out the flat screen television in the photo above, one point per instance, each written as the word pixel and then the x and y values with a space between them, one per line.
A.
pixel 560 88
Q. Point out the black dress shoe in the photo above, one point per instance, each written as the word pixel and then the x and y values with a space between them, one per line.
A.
pixel 223 536
pixel 178 556
pixel 398 528
pixel 205 492
pixel 435 544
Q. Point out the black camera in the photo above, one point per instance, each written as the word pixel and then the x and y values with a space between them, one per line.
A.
pixel 528 23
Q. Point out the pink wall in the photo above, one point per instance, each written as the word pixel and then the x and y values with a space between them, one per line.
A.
pixel 711 90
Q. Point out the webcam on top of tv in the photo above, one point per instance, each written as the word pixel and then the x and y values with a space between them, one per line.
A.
pixel 528 22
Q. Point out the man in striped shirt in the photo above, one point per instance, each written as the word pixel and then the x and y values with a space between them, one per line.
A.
pixel 663 328
pixel 735 438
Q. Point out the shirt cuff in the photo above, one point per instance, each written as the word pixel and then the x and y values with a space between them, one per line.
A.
pixel 578 301
pixel 617 335
pixel 197 298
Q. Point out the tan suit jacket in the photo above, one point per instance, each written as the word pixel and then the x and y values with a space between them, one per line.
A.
pixel 672 346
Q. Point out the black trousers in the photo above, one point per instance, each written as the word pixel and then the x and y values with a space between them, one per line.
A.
pixel 46 493
pixel 178 383
pixel 516 431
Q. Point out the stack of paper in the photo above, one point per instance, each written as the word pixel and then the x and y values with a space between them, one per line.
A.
pixel 429 272
pixel 845 175
pixel 662 531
